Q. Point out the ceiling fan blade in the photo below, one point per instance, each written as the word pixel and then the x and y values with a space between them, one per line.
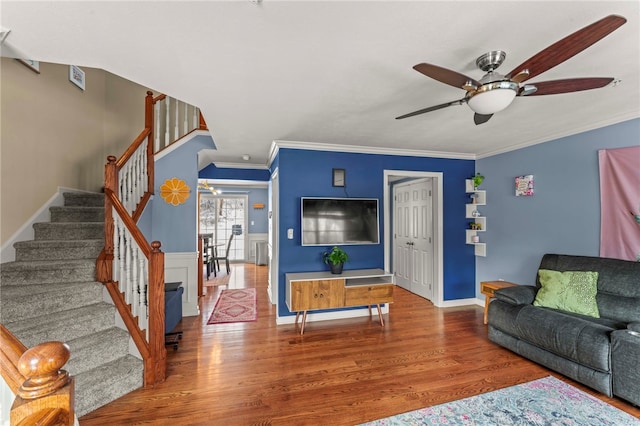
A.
pixel 569 85
pixel 481 118
pixel 433 108
pixel 446 76
pixel 568 47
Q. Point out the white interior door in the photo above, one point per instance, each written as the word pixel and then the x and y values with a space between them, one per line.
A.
pixel 413 236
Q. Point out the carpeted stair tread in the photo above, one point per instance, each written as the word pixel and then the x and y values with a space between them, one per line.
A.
pixel 50 293
pixel 90 199
pixel 76 214
pixel 68 230
pixel 63 326
pixel 99 386
pixel 22 302
pixel 47 271
pixel 88 352
pixel 58 249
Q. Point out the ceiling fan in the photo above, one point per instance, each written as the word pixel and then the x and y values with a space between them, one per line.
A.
pixel 494 92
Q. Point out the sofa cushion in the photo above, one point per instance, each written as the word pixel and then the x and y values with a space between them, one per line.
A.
pixel 618 282
pixel 578 338
pixel 571 291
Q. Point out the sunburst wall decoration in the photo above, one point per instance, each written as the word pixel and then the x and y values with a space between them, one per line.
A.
pixel 175 191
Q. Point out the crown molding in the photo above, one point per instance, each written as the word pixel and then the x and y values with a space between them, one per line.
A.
pixel 221 165
pixel 276 145
pixel 564 134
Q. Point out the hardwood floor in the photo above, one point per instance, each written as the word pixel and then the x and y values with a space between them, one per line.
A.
pixel 341 372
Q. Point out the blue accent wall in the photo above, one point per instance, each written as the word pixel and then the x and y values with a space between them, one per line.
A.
pixel 213 172
pixel 259 217
pixel 309 173
pixel 176 227
pixel 563 215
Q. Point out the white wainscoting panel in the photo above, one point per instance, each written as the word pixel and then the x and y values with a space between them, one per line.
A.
pixel 184 267
pixel 251 241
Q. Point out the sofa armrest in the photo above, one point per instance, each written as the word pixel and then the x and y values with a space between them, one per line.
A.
pixel 517 295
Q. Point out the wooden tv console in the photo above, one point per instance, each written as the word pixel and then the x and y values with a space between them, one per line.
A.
pixel 310 291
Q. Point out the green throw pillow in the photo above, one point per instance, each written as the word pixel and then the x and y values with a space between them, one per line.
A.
pixel 571 291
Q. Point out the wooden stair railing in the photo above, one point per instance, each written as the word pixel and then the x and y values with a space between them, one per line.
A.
pixel 131 269
pixel 44 392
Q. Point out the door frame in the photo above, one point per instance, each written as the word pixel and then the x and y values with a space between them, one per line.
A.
pixel 438 262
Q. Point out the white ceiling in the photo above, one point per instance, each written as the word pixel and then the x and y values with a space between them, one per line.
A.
pixel 333 72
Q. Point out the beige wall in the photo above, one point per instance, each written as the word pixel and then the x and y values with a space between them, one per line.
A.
pixel 52 134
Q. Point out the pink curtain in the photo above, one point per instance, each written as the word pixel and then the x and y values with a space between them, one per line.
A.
pixel 620 203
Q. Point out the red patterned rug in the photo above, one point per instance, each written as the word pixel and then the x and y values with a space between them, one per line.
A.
pixel 238 305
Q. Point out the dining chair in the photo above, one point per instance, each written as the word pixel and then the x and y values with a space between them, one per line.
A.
pixel 218 257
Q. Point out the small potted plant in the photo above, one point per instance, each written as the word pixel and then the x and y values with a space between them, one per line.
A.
pixel 335 258
pixel 477 180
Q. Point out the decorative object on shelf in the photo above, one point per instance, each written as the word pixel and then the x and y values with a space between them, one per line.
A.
pixel 339 177
pixel 478 223
pixel 76 76
pixel 335 258
pixel 32 65
pixel 477 180
pixel 174 191
pixel 524 186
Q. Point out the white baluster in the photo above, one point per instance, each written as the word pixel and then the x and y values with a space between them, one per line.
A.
pixel 156 124
pixel 116 246
pixel 186 119
pixel 176 126
pixel 127 270
pixel 122 277
pixel 196 118
pixel 143 172
pixel 135 281
pixel 168 122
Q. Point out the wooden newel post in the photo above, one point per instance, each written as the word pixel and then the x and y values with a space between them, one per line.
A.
pixel 148 110
pixel 104 264
pixel 42 366
pixel 148 124
pixel 157 363
pixel 47 389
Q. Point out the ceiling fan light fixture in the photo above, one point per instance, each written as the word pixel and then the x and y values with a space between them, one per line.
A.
pixel 493 97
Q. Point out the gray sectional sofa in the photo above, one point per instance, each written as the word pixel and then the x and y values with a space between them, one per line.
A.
pixel 602 353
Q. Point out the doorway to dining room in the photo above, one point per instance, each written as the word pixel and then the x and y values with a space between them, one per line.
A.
pixel 221 216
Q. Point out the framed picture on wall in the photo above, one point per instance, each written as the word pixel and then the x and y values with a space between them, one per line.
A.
pixel 31 64
pixel 524 186
pixel 76 76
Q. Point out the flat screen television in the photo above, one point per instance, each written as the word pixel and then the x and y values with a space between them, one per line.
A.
pixel 339 221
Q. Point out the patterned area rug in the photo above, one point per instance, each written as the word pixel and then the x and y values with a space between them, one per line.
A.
pixel 546 401
pixel 238 305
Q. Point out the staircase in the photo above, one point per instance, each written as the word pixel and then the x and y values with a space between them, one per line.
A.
pixel 50 293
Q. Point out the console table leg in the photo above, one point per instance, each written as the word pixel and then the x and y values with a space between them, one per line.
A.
pixel 304 321
pixel 379 315
pixel 297 315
